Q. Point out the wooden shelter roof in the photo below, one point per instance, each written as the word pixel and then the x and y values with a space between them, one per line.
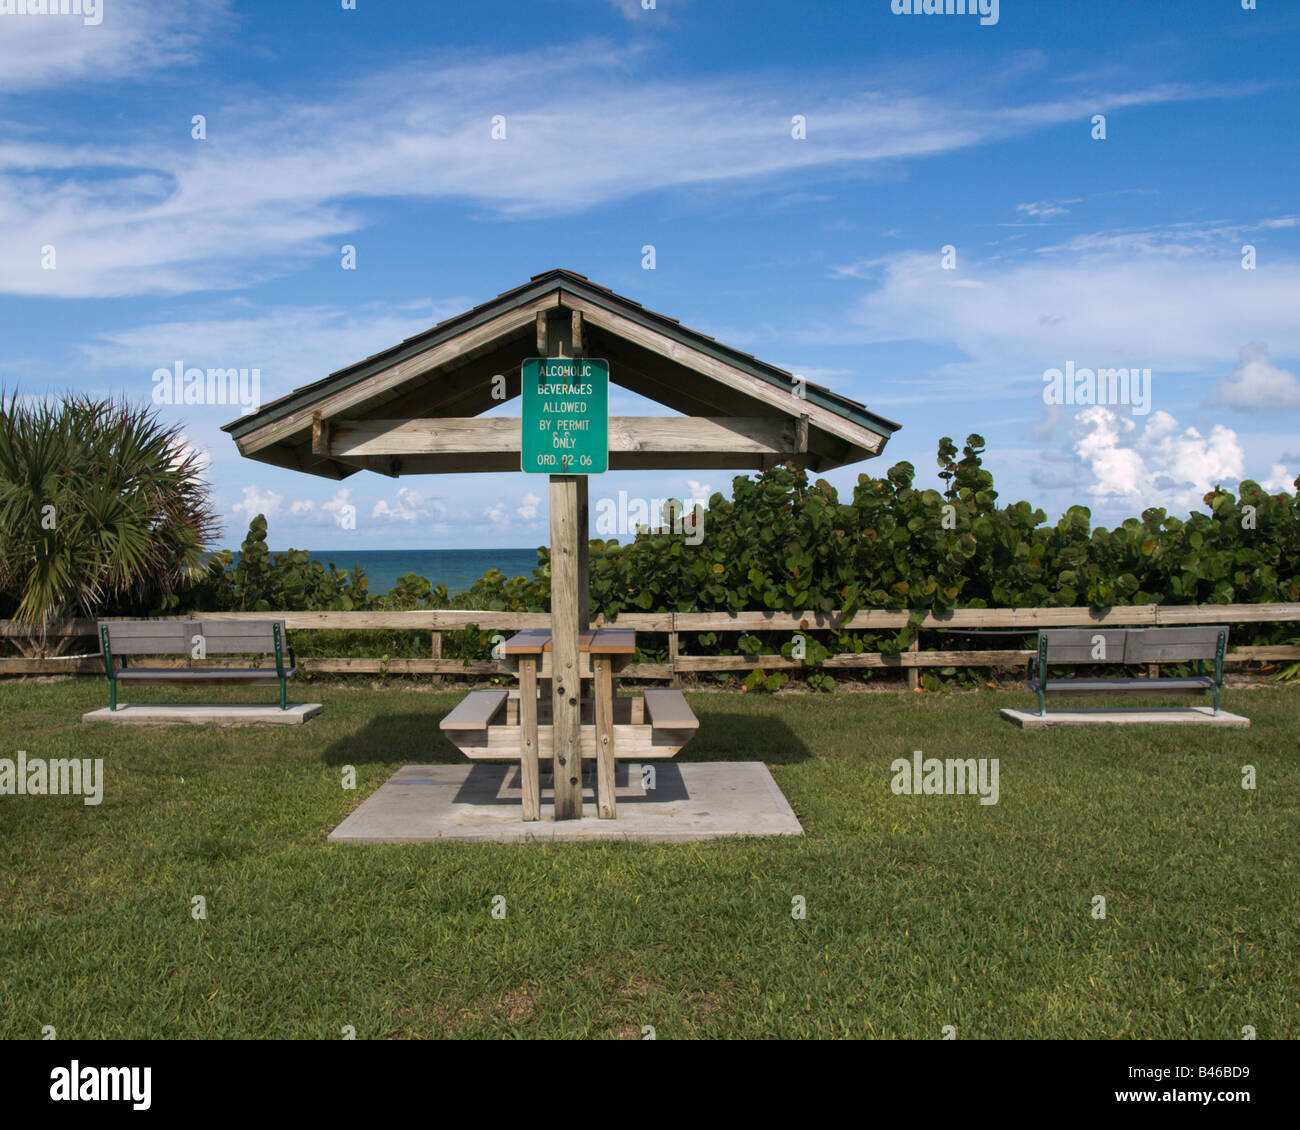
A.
pixel 416 408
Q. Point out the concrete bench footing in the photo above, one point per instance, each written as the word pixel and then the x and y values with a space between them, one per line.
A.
pixel 229 714
pixel 1161 716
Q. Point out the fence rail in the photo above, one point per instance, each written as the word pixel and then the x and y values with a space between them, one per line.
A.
pixel 673 624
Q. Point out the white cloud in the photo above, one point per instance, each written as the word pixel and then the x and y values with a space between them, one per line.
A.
pixel 256 501
pixel 409 506
pixel 1046 209
pixel 528 506
pixel 201 455
pixel 1256 385
pixel 1279 479
pixel 302 506
pixel 699 490
pixel 1155 465
pixel 1161 299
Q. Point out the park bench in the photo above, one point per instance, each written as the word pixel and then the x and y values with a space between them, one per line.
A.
pixel 196 639
pixel 1129 647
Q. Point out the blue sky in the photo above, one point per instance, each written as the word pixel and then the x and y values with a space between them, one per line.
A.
pixel 672 127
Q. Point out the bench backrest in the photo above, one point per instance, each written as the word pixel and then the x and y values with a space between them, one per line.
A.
pixel 181 637
pixel 1082 645
pixel 1176 645
pixel 149 637
pixel 241 637
pixel 1132 645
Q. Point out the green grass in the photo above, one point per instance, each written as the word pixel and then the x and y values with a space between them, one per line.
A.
pixel 922 911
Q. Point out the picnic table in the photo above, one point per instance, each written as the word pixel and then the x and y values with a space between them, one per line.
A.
pixel 498 724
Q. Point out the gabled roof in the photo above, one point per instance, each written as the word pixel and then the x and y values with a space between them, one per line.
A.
pixel 447 372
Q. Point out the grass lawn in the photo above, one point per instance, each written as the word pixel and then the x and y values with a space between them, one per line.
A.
pixel 921 911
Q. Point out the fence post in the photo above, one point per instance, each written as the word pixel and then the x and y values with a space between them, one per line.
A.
pixel 914 673
pixel 672 651
pixel 435 652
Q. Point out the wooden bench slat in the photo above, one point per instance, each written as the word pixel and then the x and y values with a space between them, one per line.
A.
pixel 613 641
pixel 1120 686
pixel 1174 645
pixel 200 674
pixel 667 709
pixel 1080 645
pixel 150 637
pixel 234 637
pixel 475 711
pixel 531 641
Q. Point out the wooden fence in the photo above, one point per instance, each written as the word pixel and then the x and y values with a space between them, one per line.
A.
pixel 960 621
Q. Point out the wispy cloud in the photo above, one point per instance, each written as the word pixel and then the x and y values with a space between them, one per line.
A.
pixel 106 42
pixel 278 183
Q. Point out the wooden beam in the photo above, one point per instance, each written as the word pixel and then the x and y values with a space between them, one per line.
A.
pixel 672 435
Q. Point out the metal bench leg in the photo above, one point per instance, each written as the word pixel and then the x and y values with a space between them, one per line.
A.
pixel 112 695
pixel 1216 699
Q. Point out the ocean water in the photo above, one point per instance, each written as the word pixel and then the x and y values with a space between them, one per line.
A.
pixel 458 569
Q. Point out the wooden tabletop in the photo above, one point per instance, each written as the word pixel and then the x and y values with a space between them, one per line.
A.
pixel 597 641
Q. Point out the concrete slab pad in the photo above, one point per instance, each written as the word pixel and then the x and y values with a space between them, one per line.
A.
pixel 1166 716
pixel 481 802
pixel 206 713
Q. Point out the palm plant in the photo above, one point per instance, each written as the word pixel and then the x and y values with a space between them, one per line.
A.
pixel 102 509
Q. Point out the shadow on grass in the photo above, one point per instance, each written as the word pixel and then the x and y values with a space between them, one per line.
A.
pixel 745 737
pixel 412 739
pixel 415 739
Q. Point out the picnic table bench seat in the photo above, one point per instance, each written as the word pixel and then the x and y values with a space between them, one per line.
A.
pixel 476 710
pixel 667 709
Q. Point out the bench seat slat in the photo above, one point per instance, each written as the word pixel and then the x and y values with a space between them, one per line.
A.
pixel 1121 686
pixel 201 674
pixel 667 709
pixel 475 711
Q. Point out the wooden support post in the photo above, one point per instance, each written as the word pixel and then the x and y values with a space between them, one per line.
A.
pixel 914 673
pixel 584 553
pixel 673 645
pixel 528 778
pixel 321 430
pixel 567 679
pixel 604 679
pixel 435 652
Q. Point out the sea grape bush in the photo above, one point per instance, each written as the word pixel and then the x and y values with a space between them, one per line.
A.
pixel 783 543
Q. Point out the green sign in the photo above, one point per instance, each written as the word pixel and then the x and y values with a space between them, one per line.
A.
pixel 566 416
